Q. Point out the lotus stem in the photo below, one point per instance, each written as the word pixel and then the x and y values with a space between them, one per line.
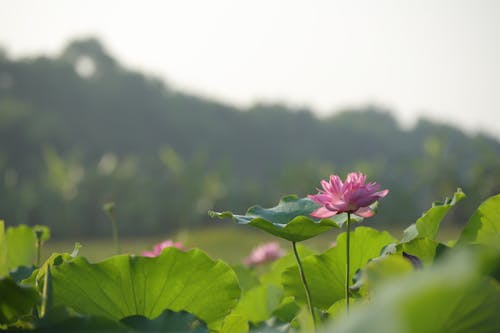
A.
pixel 115 235
pixel 109 208
pixel 348 266
pixel 38 234
pixel 47 300
pixel 304 282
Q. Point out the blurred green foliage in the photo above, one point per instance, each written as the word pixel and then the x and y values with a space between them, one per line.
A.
pixel 457 291
pixel 79 130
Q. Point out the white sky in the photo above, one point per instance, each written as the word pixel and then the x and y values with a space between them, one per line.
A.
pixel 423 57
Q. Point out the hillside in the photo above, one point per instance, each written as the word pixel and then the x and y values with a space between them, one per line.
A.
pixel 79 130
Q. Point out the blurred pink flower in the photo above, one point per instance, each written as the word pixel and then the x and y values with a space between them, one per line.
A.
pixel 264 253
pixel 159 247
pixel 352 196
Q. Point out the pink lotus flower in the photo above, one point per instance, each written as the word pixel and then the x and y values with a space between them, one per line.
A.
pixel 352 196
pixel 264 253
pixel 159 247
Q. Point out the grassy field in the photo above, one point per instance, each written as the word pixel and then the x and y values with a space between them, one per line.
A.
pixel 230 243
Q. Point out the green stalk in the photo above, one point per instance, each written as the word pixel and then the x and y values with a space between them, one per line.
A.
pixel 47 300
pixel 109 208
pixel 38 235
pixel 348 266
pixel 304 282
pixel 115 235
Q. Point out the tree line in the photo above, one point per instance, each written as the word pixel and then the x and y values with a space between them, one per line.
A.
pixel 79 129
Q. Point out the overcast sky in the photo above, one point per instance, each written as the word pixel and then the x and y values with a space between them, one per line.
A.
pixel 435 58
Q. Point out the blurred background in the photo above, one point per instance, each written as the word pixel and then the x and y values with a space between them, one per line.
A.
pixel 172 108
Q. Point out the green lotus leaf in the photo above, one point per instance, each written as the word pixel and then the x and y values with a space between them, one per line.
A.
pixel 287 310
pixel 290 219
pixel 247 277
pixel 448 297
pixel 484 225
pixel 235 323
pixel 385 268
pixel 339 308
pixel 4 269
pixel 63 319
pixel 167 322
pixel 273 276
pixel 263 296
pixel 20 246
pixel 16 300
pixel 423 248
pixel 428 224
pixel 258 304
pixel 85 324
pixel 125 285
pixel 325 273
pixel 21 273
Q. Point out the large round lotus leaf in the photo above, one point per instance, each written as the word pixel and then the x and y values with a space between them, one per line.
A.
pixel 17 246
pixel 428 224
pixel 123 286
pixel 448 297
pixel 325 273
pixel 167 322
pixel 16 301
pixel 290 219
pixel 484 225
